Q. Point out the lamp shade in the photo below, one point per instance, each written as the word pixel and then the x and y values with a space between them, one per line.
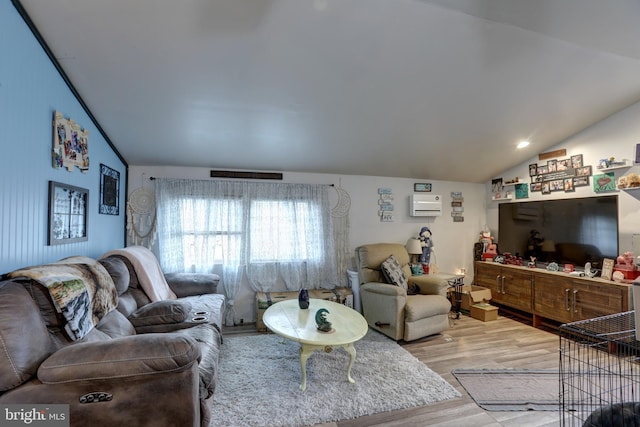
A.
pixel 414 247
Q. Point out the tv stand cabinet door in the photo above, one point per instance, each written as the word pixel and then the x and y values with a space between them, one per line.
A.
pixel 566 299
pixel 489 275
pixel 553 296
pixel 517 289
pixel 509 285
pixel 596 299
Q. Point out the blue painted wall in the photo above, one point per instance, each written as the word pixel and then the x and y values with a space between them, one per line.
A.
pixel 31 89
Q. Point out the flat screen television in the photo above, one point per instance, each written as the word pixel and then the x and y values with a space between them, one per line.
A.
pixel 573 231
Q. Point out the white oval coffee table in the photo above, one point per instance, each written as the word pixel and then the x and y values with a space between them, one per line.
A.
pixel 288 320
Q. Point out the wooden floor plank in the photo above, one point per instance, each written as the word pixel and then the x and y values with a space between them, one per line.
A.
pixel 470 343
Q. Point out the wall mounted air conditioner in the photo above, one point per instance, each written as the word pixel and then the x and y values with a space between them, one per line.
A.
pixel 425 205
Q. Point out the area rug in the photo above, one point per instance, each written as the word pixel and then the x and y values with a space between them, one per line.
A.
pixel 512 389
pixel 259 378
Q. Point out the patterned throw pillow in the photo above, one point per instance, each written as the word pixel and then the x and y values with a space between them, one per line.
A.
pixel 393 273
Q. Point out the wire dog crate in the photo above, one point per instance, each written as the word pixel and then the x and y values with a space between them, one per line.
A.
pixel 600 372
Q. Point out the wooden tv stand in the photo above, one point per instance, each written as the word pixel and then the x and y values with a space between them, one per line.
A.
pixel 552 295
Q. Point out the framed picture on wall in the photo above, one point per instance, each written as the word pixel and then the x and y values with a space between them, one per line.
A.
pixel 576 161
pixel 584 171
pixel 604 182
pixel 422 187
pixel 580 181
pixel 109 191
pixel 68 213
pixel 568 185
pixel 522 191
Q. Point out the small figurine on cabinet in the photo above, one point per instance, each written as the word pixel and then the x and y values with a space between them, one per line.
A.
pixel 486 239
pixel 626 259
pixel 489 248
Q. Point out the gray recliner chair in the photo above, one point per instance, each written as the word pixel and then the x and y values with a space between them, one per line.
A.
pixel 388 308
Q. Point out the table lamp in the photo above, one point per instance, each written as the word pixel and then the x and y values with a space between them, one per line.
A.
pixel 414 249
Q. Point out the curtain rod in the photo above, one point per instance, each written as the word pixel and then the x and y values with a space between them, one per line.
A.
pixel 153 178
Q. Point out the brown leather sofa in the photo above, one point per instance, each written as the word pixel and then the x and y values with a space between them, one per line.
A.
pixel 141 363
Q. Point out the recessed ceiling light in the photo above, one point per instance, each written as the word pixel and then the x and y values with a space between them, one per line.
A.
pixel 523 144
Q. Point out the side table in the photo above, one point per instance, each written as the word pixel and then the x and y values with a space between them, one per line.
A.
pixel 456 282
pixel 354 283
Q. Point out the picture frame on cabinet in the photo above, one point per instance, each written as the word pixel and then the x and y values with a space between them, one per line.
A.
pixel 607 268
pixel 68 213
pixel 637 153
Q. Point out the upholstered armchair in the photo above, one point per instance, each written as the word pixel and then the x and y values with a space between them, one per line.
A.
pixel 393 309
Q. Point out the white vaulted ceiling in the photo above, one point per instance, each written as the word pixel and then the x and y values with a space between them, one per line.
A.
pixel 438 89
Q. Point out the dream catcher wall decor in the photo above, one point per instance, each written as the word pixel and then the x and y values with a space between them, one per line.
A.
pixel 340 214
pixel 141 217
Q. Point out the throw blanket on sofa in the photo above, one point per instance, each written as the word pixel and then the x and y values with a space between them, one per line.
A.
pixel 83 292
pixel 147 267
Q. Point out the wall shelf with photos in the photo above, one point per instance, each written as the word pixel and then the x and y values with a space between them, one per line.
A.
pixel 612 163
pixel 559 175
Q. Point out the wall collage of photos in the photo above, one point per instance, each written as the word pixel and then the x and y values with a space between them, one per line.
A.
pixel 559 175
pixel 555 175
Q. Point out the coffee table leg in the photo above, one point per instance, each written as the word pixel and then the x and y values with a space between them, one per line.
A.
pixel 352 356
pixel 305 352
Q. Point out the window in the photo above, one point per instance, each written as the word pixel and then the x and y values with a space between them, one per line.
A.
pixel 277 231
pixel 205 232
pixel 247 226
pixel 282 231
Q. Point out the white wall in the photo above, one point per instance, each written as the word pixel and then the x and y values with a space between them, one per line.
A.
pixel 453 241
pixel 615 136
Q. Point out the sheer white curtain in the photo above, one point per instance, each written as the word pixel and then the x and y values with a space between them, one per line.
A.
pixel 267 230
